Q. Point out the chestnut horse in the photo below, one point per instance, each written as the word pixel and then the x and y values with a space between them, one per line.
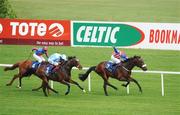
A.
pixel 122 72
pixel 25 69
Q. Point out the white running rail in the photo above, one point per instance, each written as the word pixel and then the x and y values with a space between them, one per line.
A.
pixel 136 71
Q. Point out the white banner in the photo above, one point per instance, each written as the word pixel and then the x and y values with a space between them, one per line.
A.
pixel 158 35
pixel 164 36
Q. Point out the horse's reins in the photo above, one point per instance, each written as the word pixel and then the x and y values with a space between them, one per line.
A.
pixel 130 70
pixel 29 55
pixel 125 68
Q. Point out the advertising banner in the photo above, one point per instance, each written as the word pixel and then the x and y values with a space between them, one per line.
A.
pixel 35 32
pixel 126 34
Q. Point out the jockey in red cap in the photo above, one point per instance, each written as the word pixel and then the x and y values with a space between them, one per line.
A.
pixel 39 52
pixel 118 56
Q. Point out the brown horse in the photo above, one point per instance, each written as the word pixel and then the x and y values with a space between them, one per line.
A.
pixel 25 69
pixel 67 67
pixel 122 72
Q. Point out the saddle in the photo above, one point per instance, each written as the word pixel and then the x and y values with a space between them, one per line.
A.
pixel 35 65
pixel 111 67
pixel 50 69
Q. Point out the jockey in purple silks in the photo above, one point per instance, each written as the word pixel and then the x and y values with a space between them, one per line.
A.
pixel 39 52
pixel 118 56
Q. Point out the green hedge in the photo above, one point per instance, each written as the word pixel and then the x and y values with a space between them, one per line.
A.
pixel 6 10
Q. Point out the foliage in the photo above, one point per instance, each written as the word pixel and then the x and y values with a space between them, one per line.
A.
pixel 6 10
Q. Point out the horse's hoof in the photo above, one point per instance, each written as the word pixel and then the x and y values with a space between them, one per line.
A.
pixel 7 84
pixel 34 90
pixel 18 87
pixel 46 95
pixel 124 85
pixel 57 92
pixel 84 90
pixel 66 93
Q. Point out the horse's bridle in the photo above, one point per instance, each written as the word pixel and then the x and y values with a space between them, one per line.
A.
pixel 126 69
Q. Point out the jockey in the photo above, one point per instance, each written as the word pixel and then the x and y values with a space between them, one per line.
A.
pixel 55 59
pixel 39 52
pixel 118 56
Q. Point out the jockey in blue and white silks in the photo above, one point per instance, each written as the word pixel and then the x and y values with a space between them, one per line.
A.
pixel 56 58
pixel 118 56
pixel 39 52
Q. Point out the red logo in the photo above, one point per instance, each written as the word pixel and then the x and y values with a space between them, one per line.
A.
pixel 35 32
pixel 56 30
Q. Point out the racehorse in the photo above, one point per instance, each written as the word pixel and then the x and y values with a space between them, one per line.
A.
pixel 121 73
pixel 67 66
pixel 25 69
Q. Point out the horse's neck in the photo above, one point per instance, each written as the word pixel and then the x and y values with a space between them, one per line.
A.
pixel 68 66
pixel 129 65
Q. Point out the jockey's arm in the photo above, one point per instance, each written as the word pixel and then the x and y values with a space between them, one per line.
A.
pixel 46 55
pixel 124 57
pixel 34 49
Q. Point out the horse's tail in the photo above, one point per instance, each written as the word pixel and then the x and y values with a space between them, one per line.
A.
pixel 84 76
pixel 12 67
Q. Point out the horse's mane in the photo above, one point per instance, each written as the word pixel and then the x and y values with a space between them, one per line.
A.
pixel 71 57
pixel 135 56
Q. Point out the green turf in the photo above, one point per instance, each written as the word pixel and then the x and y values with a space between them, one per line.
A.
pixel 108 10
pixel 23 101
pixel 150 102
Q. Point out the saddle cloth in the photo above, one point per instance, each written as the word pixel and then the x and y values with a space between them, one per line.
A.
pixel 111 67
pixel 49 69
pixel 35 64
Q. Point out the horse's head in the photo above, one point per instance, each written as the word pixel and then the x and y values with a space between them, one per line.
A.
pixel 138 61
pixel 74 62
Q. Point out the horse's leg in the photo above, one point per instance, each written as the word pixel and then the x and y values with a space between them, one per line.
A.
pixel 67 84
pixel 125 85
pixel 106 83
pixel 44 85
pixel 105 88
pixel 132 79
pixel 20 82
pixel 74 82
pixel 48 87
pixel 112 86
pixel 36 89
pixel 12 80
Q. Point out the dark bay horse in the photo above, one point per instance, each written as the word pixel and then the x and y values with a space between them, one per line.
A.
pixel 122 72
pixel 67 67
pixel 25 69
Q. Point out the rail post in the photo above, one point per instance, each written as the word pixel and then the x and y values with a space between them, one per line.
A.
pixel 162 84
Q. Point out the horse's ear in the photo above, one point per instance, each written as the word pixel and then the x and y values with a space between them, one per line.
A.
pixel 137 56
pixel 69 57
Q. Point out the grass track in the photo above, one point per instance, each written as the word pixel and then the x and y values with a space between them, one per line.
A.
pixel 22 101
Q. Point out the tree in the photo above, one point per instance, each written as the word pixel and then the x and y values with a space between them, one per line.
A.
pixel 6 10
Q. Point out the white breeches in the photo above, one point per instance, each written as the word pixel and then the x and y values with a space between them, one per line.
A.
pixel 38 58
pixel 53 62
pixel 115 60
